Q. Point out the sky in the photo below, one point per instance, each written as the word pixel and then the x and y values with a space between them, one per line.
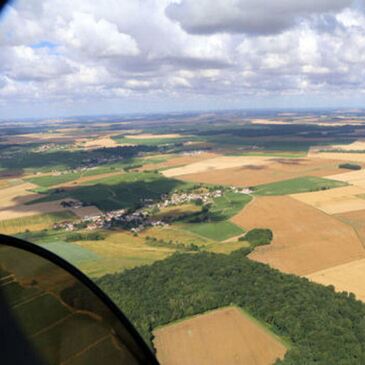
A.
pixel 85 57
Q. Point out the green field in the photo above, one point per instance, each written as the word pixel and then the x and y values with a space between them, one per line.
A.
pixel 71 252
pixel 216 225
pixel 117 192
pixel 218 231
pixel 34 222
pixel 297 185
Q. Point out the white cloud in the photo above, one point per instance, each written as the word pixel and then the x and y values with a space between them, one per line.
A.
pixel 186 50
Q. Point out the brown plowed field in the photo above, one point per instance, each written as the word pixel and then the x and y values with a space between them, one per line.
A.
pixel 222 337
pixel 348 277
pixel 256 174
pixel 306 240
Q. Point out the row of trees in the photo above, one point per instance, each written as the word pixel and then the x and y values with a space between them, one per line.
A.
pixel 324 327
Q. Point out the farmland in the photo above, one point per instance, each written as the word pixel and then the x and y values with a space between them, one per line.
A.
pixel 303 235
pixel 244 218
pixel 298 185
pixel 202 338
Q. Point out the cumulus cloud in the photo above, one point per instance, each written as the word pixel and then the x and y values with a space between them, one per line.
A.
pixel 162 52
pixel 247 16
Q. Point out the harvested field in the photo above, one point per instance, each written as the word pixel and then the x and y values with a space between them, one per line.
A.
pixel 101 142
pixel 343 156
pixel 153 136
pixel 348 277
pixel 34 223
pixel 178 161
pixel 268 121
pixel 354 146
pixel 278 169
pixel 223 336
pixel 356 219
pixel 219 163
pixel 334 201
pixel 306 240
pixel 22 210
pixel 11 196
pixel 356 178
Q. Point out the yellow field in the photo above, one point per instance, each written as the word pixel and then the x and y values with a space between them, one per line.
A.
pixel 14 195
pixel 226 247
pixel 175 234
pixel 306 240
pixel 178 161
pixel 278 169
pixel 334 201
pixel 356 178
pixel 104 141
pixel 357 145
pixel 268 121
pixel 224 336
pixel 120 251
pixel 33 223
pixel 152 136
pixel 348 277
pixel 343 156
pixel 221 162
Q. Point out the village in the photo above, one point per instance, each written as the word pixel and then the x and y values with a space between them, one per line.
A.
pixel 139 219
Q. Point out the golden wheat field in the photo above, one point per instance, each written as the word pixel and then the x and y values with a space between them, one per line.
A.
pixel 224 336
pixel 306 240
pixel 348 277
pixel 339 200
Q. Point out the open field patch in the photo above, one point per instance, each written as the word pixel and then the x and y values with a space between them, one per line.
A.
pixel 356 178
pixel 220 231
pixel 223 336
pixel 343 156
pixel 217 163
pixel 226 247
pixel 305 240
pixel 297 185
pixel 177 234
pixel 11 196
pixel 215 224
pixel 104 141
pixel 34 222
pixel 154 136
pixel 349 277
pixel 277 170
pixel 181 160
pixel 334 201
pixel 120 251
pixel 355 219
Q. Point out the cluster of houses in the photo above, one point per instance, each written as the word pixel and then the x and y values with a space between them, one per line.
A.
pixel 139 219
pixel 135 221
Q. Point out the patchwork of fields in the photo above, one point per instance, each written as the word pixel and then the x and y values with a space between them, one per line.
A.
pixel 184 189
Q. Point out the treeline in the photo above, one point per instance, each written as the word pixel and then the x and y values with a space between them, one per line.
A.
pixel 324 327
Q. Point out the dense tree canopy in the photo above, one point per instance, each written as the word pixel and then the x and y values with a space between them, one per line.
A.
pixel 322 326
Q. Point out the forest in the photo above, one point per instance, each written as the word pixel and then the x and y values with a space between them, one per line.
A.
pixel 321 326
